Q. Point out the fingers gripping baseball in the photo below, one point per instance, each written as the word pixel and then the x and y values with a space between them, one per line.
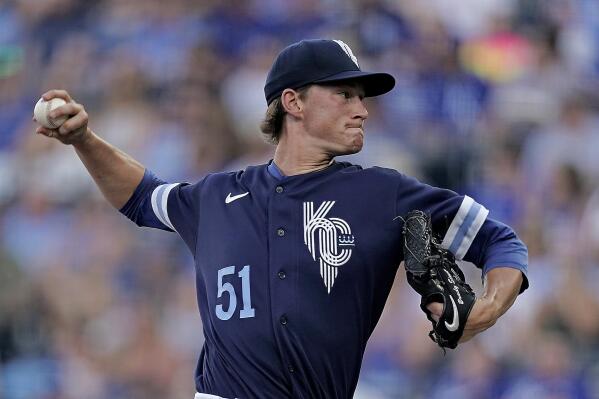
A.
pixel 57 94
pixel 67 123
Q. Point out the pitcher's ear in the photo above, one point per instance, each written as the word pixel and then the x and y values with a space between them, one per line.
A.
pixel 291 100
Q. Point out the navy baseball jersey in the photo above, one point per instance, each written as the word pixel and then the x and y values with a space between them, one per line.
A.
pixel 292 273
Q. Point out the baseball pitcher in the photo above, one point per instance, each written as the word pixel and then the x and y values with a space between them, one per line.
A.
pixel 294 259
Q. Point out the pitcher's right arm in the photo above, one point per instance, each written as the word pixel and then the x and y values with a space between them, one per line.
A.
pixel 115 173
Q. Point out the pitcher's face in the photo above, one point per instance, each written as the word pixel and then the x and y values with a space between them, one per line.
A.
pixel 334 114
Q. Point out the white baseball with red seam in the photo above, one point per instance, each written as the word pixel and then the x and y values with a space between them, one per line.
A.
pixel 43 108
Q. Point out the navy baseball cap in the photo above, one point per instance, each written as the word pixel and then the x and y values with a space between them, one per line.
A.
pixel 321 61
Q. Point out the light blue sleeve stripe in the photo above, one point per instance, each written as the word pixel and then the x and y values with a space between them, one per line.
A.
pixel 164 204
pixel 159 203
pixel 480 218
pixel 457 222
pixel 464 227
pixel 159 208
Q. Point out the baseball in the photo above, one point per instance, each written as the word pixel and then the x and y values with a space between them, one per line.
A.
pixel 43 108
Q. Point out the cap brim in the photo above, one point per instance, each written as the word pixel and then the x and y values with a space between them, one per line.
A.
pixel 374 83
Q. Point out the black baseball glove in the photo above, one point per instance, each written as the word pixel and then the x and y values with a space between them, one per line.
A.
pixel 433 273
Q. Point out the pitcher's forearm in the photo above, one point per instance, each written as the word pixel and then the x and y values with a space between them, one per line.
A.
pixel 116 173
pixel 501 289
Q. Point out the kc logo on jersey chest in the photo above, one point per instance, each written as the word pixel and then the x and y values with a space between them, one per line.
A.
pixel 329 240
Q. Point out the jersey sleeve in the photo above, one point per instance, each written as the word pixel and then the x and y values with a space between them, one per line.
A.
pixel 455 218
pixel 166 206
pixel 497 245
pixel 464 227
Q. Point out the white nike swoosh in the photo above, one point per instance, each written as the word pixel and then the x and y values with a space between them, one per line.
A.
pixel 456 319
pixel 230 198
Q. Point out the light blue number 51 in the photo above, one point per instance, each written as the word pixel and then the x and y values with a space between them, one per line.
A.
pixel 247 310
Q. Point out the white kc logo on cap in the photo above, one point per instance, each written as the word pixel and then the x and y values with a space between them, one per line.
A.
pixel 348 51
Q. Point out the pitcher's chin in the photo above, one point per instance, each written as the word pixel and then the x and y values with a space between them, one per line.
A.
pixel 356 146
pixel 358 142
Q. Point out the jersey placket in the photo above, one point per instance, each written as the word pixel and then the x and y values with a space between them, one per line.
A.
pixel 283 242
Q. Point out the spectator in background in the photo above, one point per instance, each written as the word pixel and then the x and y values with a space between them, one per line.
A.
pixel 572 140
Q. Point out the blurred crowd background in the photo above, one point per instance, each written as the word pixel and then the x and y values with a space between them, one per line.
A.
pixel 498 99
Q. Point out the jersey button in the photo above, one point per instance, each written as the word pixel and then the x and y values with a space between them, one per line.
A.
pixel 279 189
pixel 280 232
pixel 291 369
pixel 283 320
pixel 282 275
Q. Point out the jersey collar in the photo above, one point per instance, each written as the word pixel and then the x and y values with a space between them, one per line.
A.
pixel 275 172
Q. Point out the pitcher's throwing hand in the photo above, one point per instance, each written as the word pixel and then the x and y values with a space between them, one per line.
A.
pixel 73 129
